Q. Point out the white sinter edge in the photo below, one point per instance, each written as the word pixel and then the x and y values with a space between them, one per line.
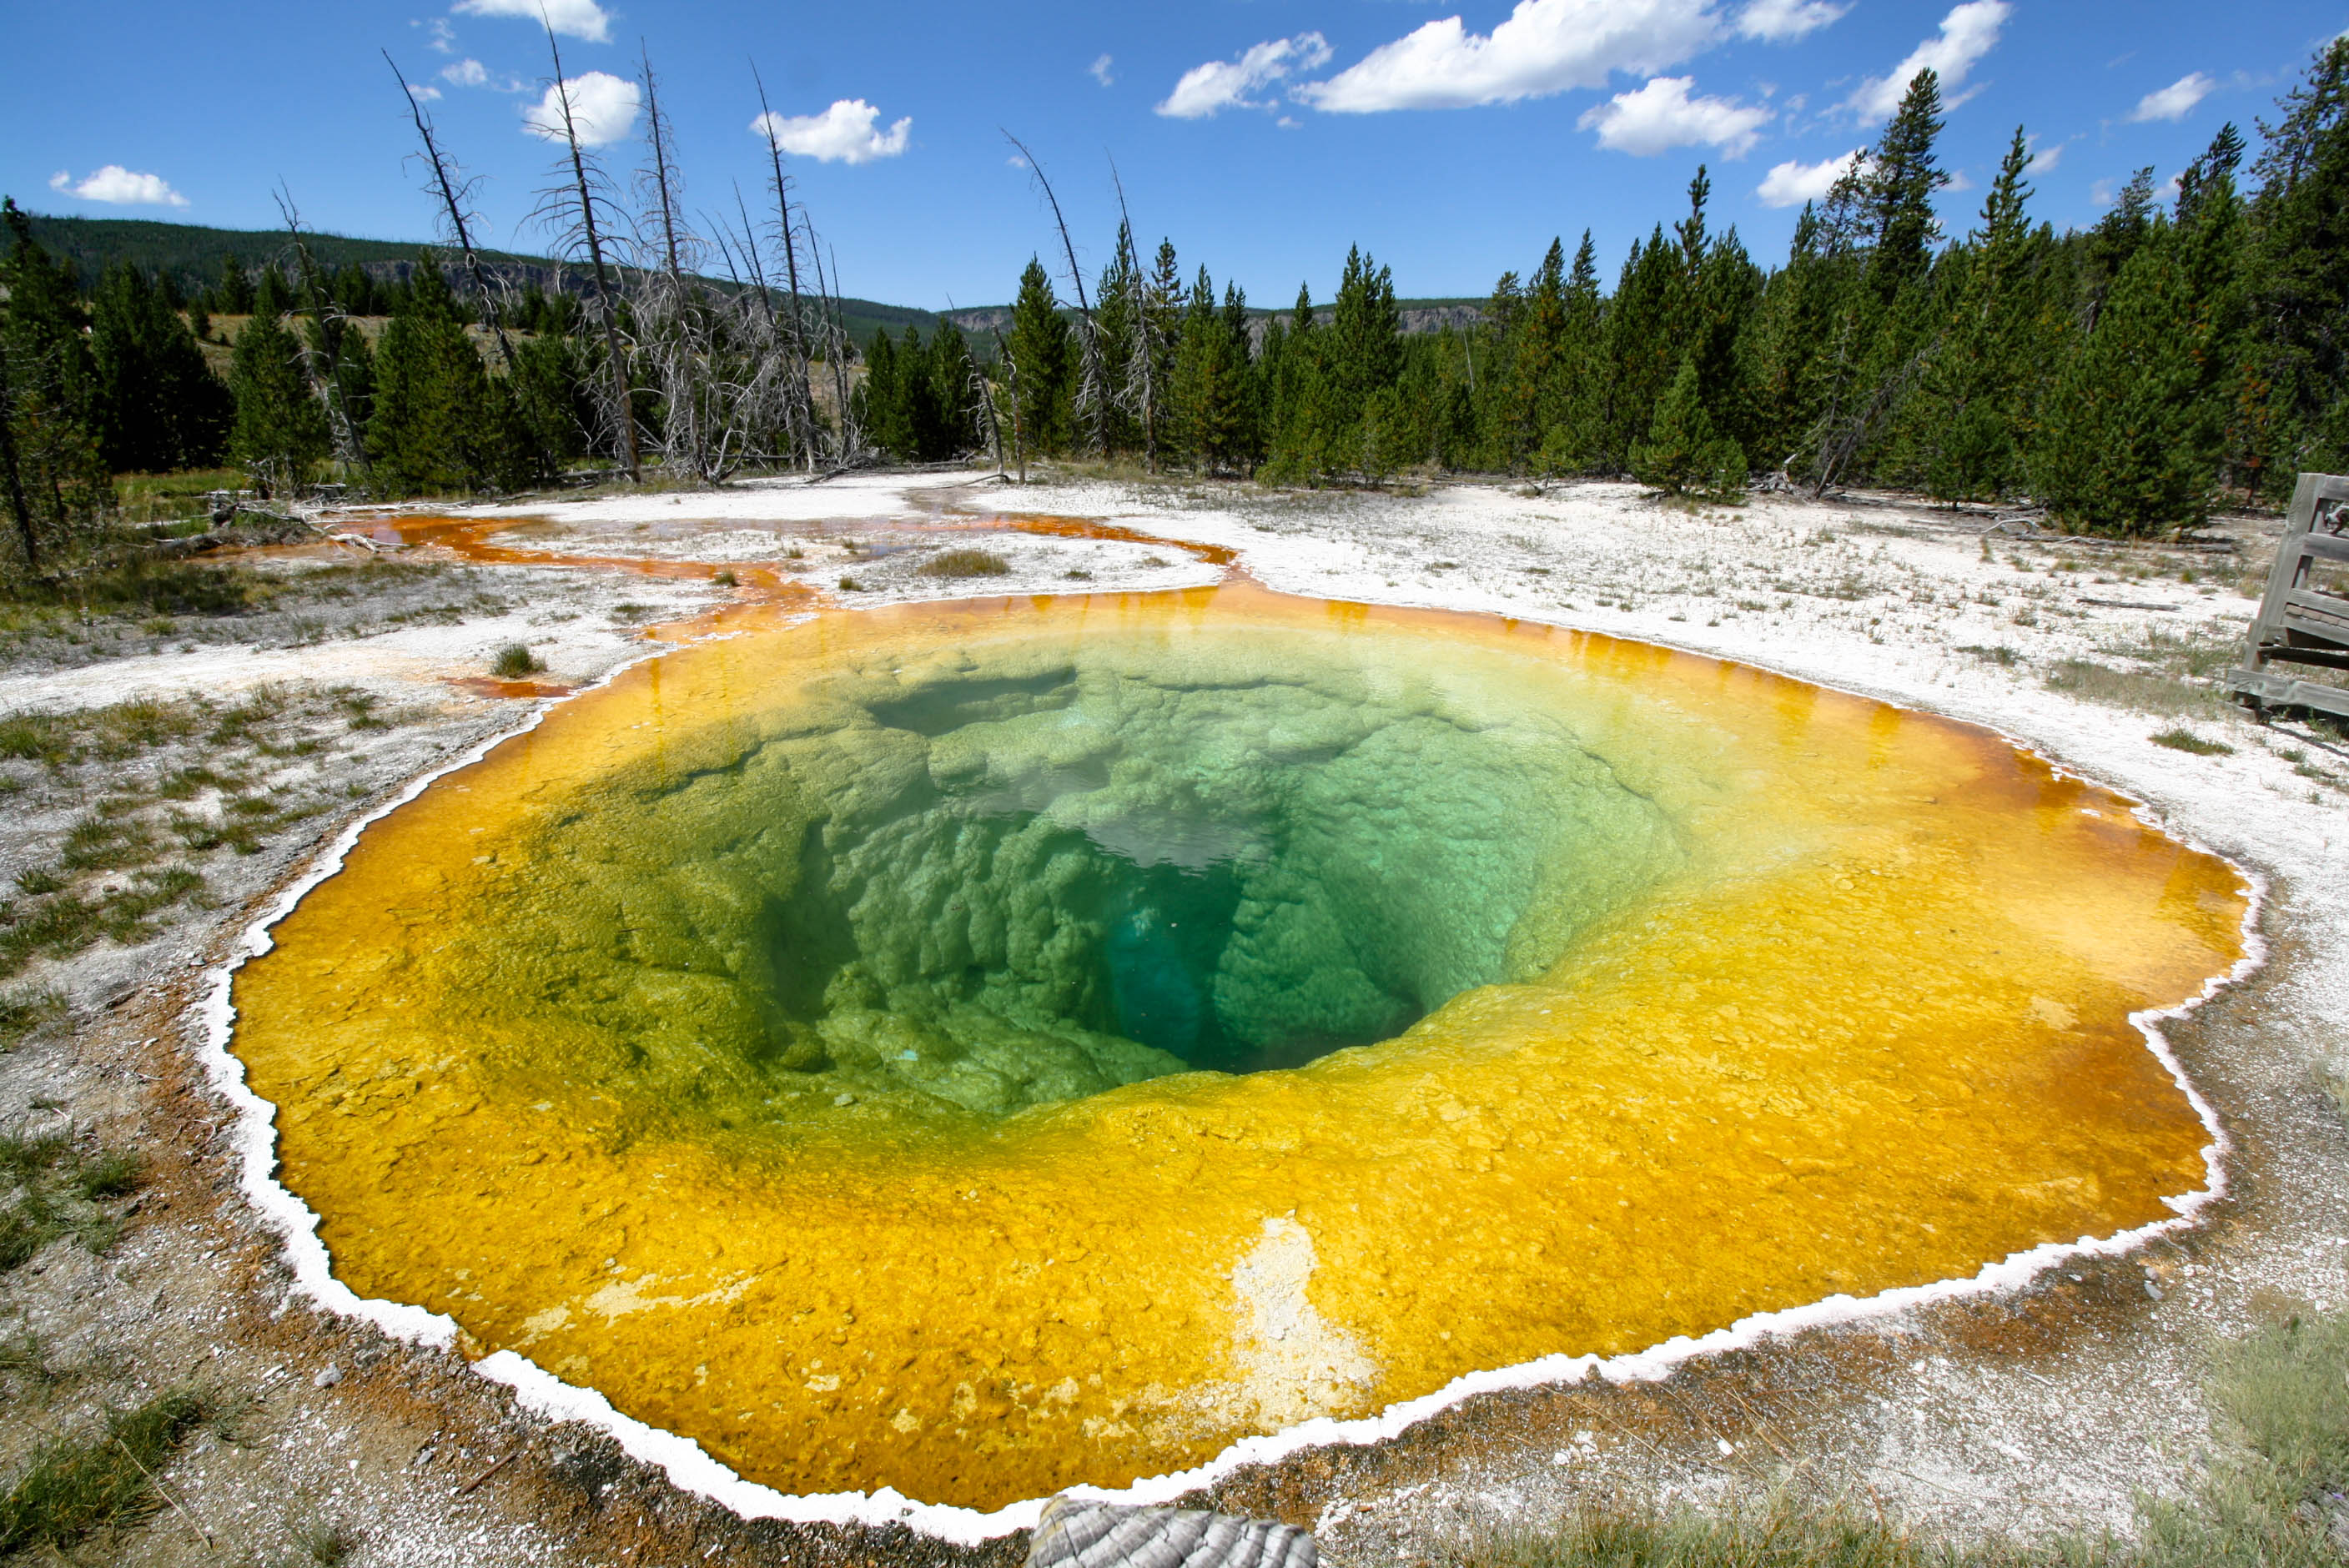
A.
pixel 692 1469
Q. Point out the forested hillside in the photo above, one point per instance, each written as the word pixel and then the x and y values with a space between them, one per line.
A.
pixel 189 262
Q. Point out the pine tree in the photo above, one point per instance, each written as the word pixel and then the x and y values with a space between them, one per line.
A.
pixel 280 434
pixel 1537 374
pixel 2116 237
pixel 1683 450
pixel 55 481
pixel 437 424
pixel 2125 449
pixel 271 296
pixel 158 407
pixel 1898 182
pixel 1963 417
pixel 1362 356
pixel 879 403
pixel 1296 446
pixel 1117 299
pixel 1643 356
pixel 2301 301
pixel 950 373
pixel 1040 346
pixel 234 290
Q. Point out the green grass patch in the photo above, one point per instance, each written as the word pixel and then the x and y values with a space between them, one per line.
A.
pixel 2163 696
pixel 2179 738
pixel 25 1009
pixel 55 1187
pixel 73 1489
pixel 514 661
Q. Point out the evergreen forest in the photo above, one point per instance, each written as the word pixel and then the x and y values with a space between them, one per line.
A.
pixel 2186 352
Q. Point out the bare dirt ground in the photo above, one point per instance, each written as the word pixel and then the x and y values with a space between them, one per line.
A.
pixel 184 774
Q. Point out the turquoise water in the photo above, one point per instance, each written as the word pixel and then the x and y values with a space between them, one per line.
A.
pixel 1047 882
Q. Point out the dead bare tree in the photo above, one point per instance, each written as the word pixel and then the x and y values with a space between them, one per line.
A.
pixel 1141 394
pixel 674 330
pixel 323 359
pixel 848 443
pixel 796 333
pixel 570 210
pixel 454 191
pixel 1091 397
pixel 1003 357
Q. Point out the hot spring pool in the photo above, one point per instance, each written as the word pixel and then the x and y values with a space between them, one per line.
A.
pixel 982 1047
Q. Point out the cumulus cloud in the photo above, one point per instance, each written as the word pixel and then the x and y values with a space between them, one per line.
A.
pixel 1220 84
pixel 1790 184
pixel 2044 160
pixel 2177 100
pixel 1099 70
pixel 118 187
pixel 1545 47
pixel 1783 21
pixel 1662 116
pixel 603 110
pixel 441 37
pixel 424 91
pixel 847 132
pixel 1968 33
pixel 572 18
pixel 475 73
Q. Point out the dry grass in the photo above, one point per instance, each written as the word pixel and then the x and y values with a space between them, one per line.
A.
pixel 965 563
pixel 2162 696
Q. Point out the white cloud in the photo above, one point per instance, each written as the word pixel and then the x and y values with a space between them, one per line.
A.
pixel 1783 21
pixel 847 132
pixel 422 90
pixel 118 187
pixel 1662 116
pixel 1968 33
pixel 1790 184
pixel 470 73
pixel 1099 70
pixel 1546 47
pixel 1227 84
pixel 603 110
pixel 2177 100
pixel 572 18
pixel 2044 160
pixel 442 37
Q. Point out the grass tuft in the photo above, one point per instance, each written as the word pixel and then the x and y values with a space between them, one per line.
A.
pixel 2179 738
pixel 965 563
pixel 514 661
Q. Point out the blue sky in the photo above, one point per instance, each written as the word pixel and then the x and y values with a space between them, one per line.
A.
pixel 1451 141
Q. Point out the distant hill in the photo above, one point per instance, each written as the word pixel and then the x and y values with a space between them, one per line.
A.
pixel 193 253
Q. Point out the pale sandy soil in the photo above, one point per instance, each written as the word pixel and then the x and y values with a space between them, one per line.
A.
pixel 2051 1406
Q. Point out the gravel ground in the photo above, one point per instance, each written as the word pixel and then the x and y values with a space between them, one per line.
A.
pixel 2053 1406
